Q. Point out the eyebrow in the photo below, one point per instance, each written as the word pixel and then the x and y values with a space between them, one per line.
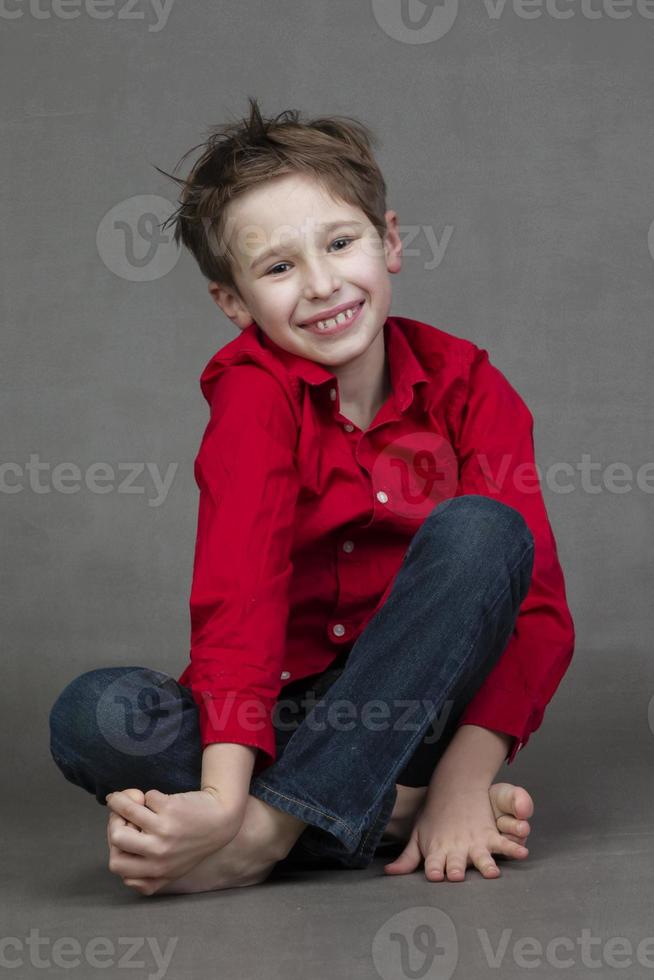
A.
pixel 269 252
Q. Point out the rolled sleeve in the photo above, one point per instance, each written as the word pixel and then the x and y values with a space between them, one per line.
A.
pixel 239 603
pixel 497 459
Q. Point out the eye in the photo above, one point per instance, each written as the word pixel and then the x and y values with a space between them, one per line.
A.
pixel 346 240
pixel 271 271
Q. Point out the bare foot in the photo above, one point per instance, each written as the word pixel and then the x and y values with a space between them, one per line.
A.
pixel 512 805
pixel 266 837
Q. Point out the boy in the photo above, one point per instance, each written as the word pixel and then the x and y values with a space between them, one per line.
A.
pixel 370 523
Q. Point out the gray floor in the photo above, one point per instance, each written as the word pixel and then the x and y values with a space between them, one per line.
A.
pixel 587 881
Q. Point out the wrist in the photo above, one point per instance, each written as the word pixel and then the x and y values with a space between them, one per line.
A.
pixel 230 806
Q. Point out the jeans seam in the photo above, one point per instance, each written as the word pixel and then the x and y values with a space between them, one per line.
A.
pixel 291 799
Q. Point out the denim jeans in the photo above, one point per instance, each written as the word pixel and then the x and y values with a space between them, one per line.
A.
pixel 404 683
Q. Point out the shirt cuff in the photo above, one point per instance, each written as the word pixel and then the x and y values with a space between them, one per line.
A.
pixel 502 710
pixel 240 719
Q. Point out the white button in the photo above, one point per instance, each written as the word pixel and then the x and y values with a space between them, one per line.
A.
pixel 348 546
pixel 339 629
pixel 285 674
pixel 348 427
pixel 332 394
pixel 382 497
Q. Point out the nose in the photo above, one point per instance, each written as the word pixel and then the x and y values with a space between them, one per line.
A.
pixel 320 279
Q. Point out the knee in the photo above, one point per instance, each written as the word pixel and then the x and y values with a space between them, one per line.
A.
pixel 74 715
pixel 485 525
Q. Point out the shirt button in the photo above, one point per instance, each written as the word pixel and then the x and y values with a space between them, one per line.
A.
pixel 348 546
pixel 332 394
pixel 338 629
pixel 348 427
pixel 285 674
pixel 382 497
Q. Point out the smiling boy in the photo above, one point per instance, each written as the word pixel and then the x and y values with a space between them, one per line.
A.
pixel 308 537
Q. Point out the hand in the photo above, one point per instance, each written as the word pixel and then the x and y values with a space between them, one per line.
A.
pixel 455 827
pixel 161 838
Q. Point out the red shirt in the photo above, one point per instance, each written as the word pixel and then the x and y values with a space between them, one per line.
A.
pixel 304 520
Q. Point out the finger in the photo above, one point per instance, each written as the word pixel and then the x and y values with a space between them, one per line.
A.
pixel 130 810
pixel 509 825
pixel 483 861
pixel 133 841
pixel 455 865
pixel 155 800
pixel 132 865
pixel 146 886
pixel 407 861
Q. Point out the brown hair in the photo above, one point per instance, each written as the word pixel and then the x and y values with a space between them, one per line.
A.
pixel 335 150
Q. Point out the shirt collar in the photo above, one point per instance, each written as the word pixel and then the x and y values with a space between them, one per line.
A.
pixel 405 369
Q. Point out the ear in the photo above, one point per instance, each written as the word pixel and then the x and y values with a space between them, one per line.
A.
pixel 231 305
pixel 392 243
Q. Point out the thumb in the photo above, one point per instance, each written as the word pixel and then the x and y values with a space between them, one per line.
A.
pixel 155 800
pixel 408 860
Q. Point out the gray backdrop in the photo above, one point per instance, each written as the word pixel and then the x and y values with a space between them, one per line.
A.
pixel 515 139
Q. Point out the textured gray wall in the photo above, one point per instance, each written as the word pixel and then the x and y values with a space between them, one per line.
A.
pixel 516 136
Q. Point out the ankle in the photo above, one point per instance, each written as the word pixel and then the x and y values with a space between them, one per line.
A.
pixel 280 831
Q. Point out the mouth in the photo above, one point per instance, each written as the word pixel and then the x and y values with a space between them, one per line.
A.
pixel 336 325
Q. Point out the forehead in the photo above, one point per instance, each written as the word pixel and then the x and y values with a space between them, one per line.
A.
pixel 299 202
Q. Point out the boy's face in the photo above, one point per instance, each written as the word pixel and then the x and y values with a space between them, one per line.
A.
pixel 309 268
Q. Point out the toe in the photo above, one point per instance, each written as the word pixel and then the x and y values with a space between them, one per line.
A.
pixel 512 800
pixel 508 825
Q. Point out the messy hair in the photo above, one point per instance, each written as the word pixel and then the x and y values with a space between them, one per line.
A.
pixel 238 156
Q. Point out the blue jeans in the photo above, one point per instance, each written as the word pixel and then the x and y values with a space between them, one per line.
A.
pixel 404 684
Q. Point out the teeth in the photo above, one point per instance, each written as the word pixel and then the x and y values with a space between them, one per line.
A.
pixel 341 318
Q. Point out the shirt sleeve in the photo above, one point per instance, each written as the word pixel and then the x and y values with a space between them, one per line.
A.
pixel 239 603
pixel 496 459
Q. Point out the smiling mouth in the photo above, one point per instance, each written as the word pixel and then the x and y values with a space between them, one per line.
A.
pixel 335 321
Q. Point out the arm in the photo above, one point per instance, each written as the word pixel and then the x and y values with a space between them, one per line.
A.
pixel 245 470
pixel 227 771
pixel 495 448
